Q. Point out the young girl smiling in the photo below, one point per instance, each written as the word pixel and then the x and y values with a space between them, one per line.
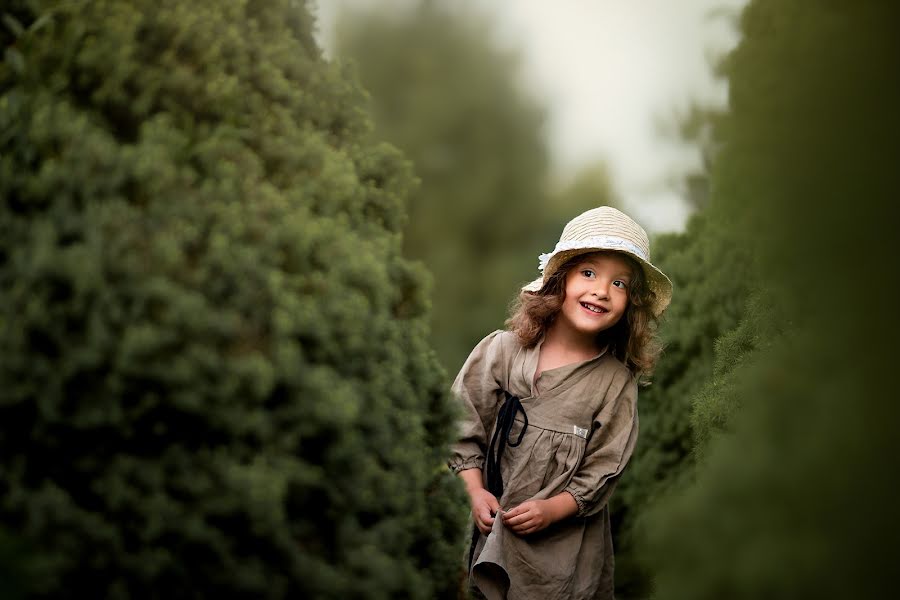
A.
pixel 550 413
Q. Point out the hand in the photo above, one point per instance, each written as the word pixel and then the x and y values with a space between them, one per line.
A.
pixel 529 517
pixel 484 507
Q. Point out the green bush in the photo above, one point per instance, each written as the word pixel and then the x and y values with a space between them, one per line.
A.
pixel 793 495
pixel 712 277
pixel 215 378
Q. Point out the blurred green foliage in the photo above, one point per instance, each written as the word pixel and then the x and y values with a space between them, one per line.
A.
pixel 215 374
pixel 450 98
pixel 712 280
pixel 592 185
pixel 792 494
pixel 14 561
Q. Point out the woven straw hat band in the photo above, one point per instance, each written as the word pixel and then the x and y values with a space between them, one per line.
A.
pixel 604 218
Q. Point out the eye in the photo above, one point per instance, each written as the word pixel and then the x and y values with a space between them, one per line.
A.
pixel 621 284
pixel 587 272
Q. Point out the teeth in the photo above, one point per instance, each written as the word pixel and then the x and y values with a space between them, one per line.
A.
pixel 592 308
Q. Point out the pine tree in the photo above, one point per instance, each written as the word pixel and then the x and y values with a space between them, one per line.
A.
pixel 215 376
pixel 712 278
pixel 793 496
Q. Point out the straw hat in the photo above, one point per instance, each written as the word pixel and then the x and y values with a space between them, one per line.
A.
pixel 605 228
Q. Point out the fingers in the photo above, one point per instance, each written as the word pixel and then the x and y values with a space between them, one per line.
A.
pixel 484 507
pixel 513 521
pixel 524 527
pixel 484 521
pixel 523 509
pixel 526 531
pixel 524 519
pixel 520 520
pixel 485 529
pixel 522 523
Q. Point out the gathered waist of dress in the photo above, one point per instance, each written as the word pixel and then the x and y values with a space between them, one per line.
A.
pixel 553 423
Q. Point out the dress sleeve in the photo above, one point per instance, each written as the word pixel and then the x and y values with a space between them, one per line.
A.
pixel 609 448
pixel 476 389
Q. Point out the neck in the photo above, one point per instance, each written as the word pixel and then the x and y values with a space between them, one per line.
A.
pixel 570 342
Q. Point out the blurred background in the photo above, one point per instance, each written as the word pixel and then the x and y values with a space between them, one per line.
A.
pixel 611 78
pixel 519 115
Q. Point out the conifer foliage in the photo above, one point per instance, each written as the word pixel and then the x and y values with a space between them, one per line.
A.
pixel 215 377
pixel 713 277
pixel 794 493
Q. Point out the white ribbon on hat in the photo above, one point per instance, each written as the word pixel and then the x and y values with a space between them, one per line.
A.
pixel 601 242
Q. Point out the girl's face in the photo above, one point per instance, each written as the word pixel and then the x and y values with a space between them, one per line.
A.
pixel 596 294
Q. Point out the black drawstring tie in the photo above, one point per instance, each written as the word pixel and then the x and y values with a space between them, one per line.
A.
pixel 505 419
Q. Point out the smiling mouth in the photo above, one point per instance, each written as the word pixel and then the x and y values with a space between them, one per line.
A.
pixel 594 308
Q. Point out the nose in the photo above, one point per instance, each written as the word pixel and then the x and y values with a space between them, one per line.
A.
pixel 601 290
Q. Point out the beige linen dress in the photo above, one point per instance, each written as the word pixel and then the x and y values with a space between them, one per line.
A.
pixel 582 427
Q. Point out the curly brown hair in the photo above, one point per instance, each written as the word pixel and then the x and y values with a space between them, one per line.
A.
pixel 632 340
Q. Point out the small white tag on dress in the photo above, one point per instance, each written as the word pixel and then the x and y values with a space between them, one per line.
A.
pixel 580 431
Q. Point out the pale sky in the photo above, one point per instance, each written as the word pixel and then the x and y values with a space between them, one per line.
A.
pixel 608 71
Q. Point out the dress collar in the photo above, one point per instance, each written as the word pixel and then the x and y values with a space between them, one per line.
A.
pixel 561 377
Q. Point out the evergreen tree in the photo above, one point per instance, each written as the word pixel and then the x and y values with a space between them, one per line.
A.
pixel 445 94
pixel 712 278
pixel 793 495
pixel 214 372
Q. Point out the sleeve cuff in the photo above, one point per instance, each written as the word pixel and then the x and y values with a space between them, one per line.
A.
pixel 458 464
pixel 580 501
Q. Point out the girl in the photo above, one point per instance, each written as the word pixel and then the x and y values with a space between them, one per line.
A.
pixel 550 415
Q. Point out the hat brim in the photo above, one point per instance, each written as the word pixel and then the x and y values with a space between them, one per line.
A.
pixel 657 281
